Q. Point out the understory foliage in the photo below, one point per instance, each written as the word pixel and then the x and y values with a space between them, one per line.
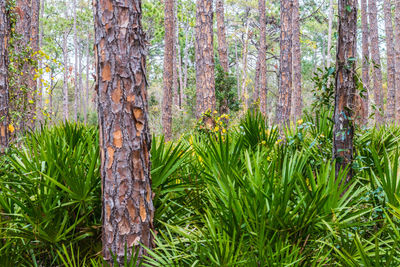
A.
pixel 248 196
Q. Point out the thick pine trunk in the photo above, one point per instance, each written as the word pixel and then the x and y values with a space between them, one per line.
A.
pixel 391 87
pixel 23 28
pixel 262 50
pixel 345 85
pixel 124 129
pixel 297 97
pixel 285 88
pixel 376 61
pixel 204 51
pixel 4 94
pixel 168 78
pixel 222 45
pixel 365 60
pixel 397 51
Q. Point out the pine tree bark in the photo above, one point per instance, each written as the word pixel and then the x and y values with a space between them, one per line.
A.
pixel 168 77
pixel 285 89
pixel 345 87
pixel 376 61
pixel 4 93
pixel 391 70
pixel 23 28
pixel 262 50
pixel 222 46
pixel 125 138
pixel 221 33
pixel 365 60
pixel 204 51
pixel 297 96
pixel 397 52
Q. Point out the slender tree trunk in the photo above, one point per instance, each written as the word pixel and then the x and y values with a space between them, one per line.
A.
pixel 222 46
pixel 51 94
pixel 237 72
pixel 125 138
pixel 65 85
pixel 175 55
pixel 76 92
pixel 86 101
pixel 4 94
pixel 80 97
pixel 297 97
pixel 204 50
pixel 391 70
pixel 365 60
pixel 345 85
pixel 397 51
pixel 262 50
pixel 376 61
pixel 285 88
pixel 168 78
pixel 188 44
pixel 179 67
pixel 245 94
pixel 330 22
pixel 40 84
pixel 221 33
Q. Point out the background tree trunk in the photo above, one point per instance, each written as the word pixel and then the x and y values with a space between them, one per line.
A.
pixel 244 91
pixel 397 51
pixel 39 109
pixel 86 101
pixel 204 51
pixel 391 87
pixel 345 85
pixel 376 61
pixel 297 97
pixel 221 33
pixel 285 88
pixel 65 56
pixel 168 78
pixel 76 86
pixel 175 57
pixel 124 130
pixel 222 46
pixel 4 94
pixel 365 60
pixel 262 50
pixel 330 22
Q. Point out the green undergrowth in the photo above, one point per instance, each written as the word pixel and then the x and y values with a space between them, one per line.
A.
pixel 245 196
